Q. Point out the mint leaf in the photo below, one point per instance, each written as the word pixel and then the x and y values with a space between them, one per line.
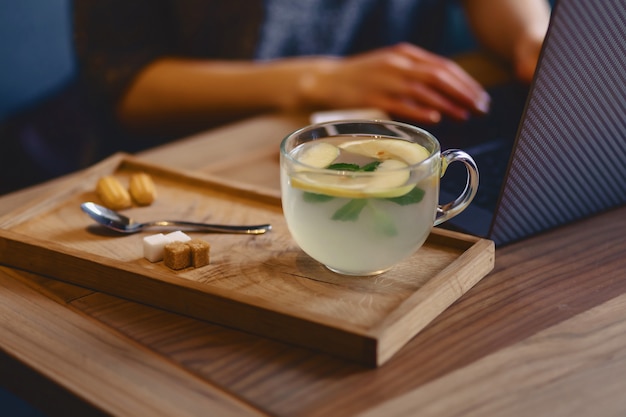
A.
pixel 371 166
pixel 383 223
pixel 412 197
pixel 350 211
pixel 342 166
pixel 310 197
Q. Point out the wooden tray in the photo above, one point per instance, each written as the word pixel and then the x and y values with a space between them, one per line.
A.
pixel 261 284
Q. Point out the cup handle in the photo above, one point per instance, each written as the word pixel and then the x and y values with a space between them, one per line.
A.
pixel 447 211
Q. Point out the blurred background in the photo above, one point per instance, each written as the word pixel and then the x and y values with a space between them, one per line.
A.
pixel 36 50
pixel 39 81
pixel 37 62
pixel 38 65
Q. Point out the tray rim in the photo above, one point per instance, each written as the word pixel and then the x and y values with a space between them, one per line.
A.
pixel 374 345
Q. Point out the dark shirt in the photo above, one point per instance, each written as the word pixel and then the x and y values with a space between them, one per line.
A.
pixel 115 39
pixel 346 27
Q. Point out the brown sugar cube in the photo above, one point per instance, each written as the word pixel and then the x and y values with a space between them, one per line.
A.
pixel 199 252
pixel 177 255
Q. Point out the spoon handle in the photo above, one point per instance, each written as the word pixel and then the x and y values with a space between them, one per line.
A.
pixel 220 228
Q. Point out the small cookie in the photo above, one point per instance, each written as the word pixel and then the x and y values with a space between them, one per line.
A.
pixel 177 255
pixel 199 252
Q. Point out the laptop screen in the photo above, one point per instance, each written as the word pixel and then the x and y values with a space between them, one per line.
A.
pixel 569 159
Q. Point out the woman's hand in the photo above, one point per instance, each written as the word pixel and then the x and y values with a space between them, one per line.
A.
pixel 404 80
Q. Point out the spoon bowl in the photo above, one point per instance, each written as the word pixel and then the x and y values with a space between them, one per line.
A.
pixel 123 224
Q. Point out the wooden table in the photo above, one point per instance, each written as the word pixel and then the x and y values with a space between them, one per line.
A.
pixel 543 334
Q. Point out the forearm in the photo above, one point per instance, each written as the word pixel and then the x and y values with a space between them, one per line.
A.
pixel 178 91
pixel 513 29
pixel 501 24
pixel 403 80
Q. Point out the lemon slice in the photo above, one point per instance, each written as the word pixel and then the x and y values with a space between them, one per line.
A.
pixel 382 149
pixel 319 155
pixel 389 180
pixel 389 174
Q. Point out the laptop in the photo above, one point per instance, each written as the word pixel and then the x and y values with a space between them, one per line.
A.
pixel 567 160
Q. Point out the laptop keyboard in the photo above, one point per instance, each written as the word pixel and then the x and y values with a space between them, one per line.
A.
pixel 489 140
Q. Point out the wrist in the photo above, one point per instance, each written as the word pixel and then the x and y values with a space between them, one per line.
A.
pixel 314 87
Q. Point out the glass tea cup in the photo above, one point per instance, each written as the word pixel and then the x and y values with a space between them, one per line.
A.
pixel 359 196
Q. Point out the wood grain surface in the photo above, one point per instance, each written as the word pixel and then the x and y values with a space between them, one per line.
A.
pixel 263 284
pixel 542 334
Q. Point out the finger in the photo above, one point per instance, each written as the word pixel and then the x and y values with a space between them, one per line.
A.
pixel 448 84
pixel 417 95
pixel 432 98
pixel 419 55
pixel 406 109
pixel 445 76
pixel 441 97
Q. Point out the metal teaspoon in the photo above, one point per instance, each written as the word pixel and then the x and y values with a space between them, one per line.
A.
pixel 120 223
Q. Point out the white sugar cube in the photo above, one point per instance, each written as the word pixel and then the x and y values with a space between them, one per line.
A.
pixel 153 246
pixel 177 236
